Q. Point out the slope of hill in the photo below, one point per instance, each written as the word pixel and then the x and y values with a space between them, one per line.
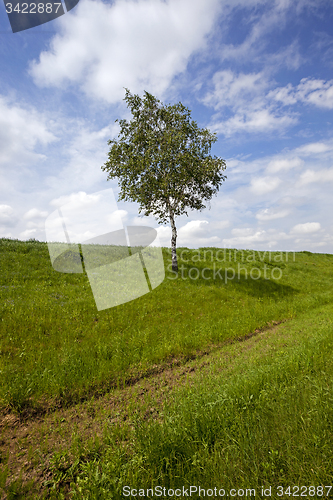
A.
pixel 221 377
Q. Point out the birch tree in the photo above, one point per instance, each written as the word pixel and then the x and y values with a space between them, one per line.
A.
pixel 162 161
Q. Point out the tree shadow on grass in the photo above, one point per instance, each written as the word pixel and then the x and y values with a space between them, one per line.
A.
pixel 254 285
pixel 262 287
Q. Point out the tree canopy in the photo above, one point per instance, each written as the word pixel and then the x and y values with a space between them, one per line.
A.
pixel 162 161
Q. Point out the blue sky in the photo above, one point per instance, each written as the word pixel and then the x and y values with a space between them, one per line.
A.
pixel 258 73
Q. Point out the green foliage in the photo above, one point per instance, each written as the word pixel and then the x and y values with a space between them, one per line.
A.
pixel 162 159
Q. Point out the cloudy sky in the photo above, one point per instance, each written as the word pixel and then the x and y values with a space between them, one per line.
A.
pixel 257 72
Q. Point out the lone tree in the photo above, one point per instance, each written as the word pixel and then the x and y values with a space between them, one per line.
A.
pixel 162 161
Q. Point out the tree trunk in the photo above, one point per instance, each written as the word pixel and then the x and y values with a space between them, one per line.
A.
pixel 173 243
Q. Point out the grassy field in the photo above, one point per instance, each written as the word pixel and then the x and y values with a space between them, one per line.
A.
pixel 221 377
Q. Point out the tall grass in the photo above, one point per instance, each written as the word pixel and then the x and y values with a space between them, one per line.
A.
pixel 263 420
pixel 269 424
pixel 56 346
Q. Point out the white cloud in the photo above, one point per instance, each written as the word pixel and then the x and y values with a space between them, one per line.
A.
pixel 77 200
pixel 220 224
pixel 196 232
pixel 254 121
pixel 85 152
pixel 309 91
pixel 308 227
pixel 143 221
pixel 164 235
pixel 27 234
pixel 246 238
pixel 4 234
pixel 37 225
pixel 193 234
pixel 138 45
pixel 7 216
pixel 263 185
pixel 317 92
pixel 300 184
pixel 255 238
pixel 283 94
pixel 314 148
pixel 244 232
pixel 194 228
pixel 246 96
pixel 84 216
pixel 121 213
pixel 271 214
pixel 231 89
pixel 262 22
pixel 21 130
pixel 311 176
pixel 34 213
pixel 284 164
pixel 255 109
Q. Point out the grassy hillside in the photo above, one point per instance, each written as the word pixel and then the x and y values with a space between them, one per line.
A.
pixel 236 417
pixel 56 346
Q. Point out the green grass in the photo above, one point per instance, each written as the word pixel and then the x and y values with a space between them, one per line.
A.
pixel 266 423
pixel 255 414
pixel 56 346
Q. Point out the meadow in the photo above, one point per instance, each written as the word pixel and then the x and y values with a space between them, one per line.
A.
pixel 221 376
